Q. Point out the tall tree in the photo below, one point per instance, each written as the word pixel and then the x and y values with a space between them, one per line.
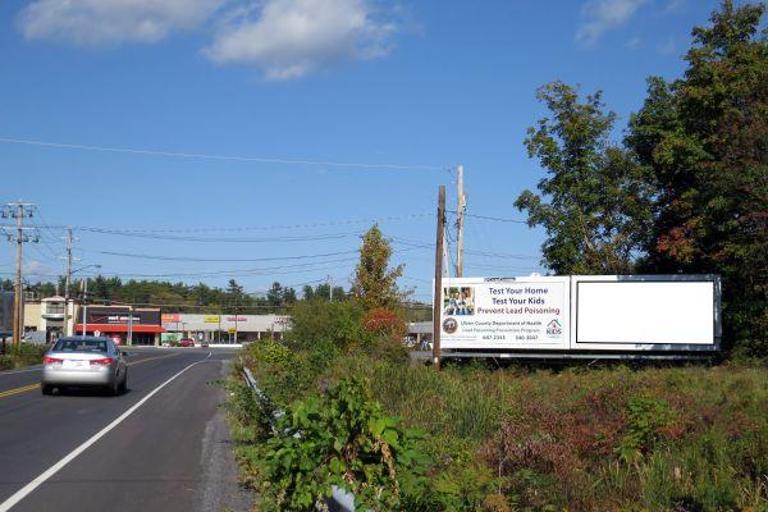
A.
pixel 375 284
pixel 705 136
pixel 275 295
pixel 234 290
pixel 595 201
pixel 307 292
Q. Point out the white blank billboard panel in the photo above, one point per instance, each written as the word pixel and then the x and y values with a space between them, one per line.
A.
pixel 673 312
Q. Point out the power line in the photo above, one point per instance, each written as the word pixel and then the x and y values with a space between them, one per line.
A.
pixel 490 218
pixel 229 229
pixel 426 245
pixel 279 239
pixel 208 156
pixel 191 259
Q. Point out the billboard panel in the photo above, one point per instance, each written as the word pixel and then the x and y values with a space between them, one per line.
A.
pixel 510 313
pixel 120 315
pixel 675 312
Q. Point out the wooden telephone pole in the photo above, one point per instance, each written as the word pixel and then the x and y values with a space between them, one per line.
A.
pixel 461 208
pixel 438 306
pixel 17 211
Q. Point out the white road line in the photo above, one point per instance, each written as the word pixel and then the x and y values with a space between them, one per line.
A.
pixel 48 473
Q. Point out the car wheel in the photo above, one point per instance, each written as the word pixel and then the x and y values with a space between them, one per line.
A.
pixel 47 389
pixel 114 388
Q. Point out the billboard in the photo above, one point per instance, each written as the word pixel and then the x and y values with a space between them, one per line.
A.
pixel 659 312
pixel 514 313
pixel 120 316
pixel 594 313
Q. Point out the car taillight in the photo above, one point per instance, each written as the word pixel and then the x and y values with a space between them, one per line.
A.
pixel 104 361
pixel 51 360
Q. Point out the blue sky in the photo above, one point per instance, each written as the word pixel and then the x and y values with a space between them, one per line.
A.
pixel 423 85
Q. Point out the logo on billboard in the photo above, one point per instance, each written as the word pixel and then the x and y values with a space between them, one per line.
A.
pixel 554 328
pixel 450 325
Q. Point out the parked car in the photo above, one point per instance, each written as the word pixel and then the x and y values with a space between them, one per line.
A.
pixel 87 361
pixel 186 342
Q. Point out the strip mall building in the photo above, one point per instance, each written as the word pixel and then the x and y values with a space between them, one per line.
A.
pixel 224 329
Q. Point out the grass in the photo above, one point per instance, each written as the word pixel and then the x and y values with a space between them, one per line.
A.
pixel 25 355
pixel 690 438
pixel 673 438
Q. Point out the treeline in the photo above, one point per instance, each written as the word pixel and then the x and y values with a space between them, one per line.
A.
pixel 178 297
pixel 684 191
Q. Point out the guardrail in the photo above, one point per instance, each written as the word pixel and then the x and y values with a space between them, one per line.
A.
pixel 341 500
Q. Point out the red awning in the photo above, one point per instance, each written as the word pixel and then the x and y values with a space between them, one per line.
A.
pixel 105 328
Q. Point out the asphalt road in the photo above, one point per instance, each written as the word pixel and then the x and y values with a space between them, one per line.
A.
pixel 163 449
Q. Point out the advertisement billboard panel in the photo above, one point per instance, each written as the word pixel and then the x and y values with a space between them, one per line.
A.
pixel 509 313
pixel 674 312
pixel 120 315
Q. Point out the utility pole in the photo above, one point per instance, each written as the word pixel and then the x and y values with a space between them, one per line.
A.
pixel 330 288
pixel 68 279
pixel 85 306
pixel 18 210
pixel 461 208
pixel 69 309
pixel 438 306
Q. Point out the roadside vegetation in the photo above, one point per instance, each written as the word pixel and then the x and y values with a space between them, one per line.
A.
pixel 26 354
pixel 343 405
pixel 685 191
pixel 405 437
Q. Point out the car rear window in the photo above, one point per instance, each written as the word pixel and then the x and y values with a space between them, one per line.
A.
pixel 80 346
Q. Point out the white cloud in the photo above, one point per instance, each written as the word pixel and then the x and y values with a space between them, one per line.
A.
pixel 603 15
pixel 99 22
pixel 290 38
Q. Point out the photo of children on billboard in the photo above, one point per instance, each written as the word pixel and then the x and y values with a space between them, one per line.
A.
pixel 459 301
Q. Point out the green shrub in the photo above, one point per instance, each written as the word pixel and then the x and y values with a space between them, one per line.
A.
pixel 7 362
pixel 25 354
pixel 283 374
pixel 319 325
pixel 646 417
pixel 342 438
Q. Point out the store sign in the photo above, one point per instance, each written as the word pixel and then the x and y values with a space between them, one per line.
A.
pixel 505 313
pixel 212 319
pixel 171 317
pixel 237 319
pixel 121 316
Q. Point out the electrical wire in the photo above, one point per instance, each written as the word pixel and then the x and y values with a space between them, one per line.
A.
pixel 208 156
pixel 192 259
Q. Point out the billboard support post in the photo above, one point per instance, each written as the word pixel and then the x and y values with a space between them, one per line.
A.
pixel 437 306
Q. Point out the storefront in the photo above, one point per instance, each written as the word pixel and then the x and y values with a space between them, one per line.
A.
pixel 125 325
pixel 225 329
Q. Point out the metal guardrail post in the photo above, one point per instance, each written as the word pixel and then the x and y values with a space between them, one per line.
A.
pixel 340 500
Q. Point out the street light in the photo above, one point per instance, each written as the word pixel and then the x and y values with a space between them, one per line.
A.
pixel 85 296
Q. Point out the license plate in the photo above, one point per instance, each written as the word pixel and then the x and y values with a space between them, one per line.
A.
pixel 75 364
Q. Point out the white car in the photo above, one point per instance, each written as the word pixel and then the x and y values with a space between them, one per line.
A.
pixel 84 361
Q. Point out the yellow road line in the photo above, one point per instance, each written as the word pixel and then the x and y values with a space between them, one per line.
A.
pixel 32 387
pixel 16 391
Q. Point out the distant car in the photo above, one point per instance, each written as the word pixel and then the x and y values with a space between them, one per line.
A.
pixel 186 342
pixel 87 361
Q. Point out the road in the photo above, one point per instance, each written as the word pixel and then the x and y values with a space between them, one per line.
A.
pixel 163 445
